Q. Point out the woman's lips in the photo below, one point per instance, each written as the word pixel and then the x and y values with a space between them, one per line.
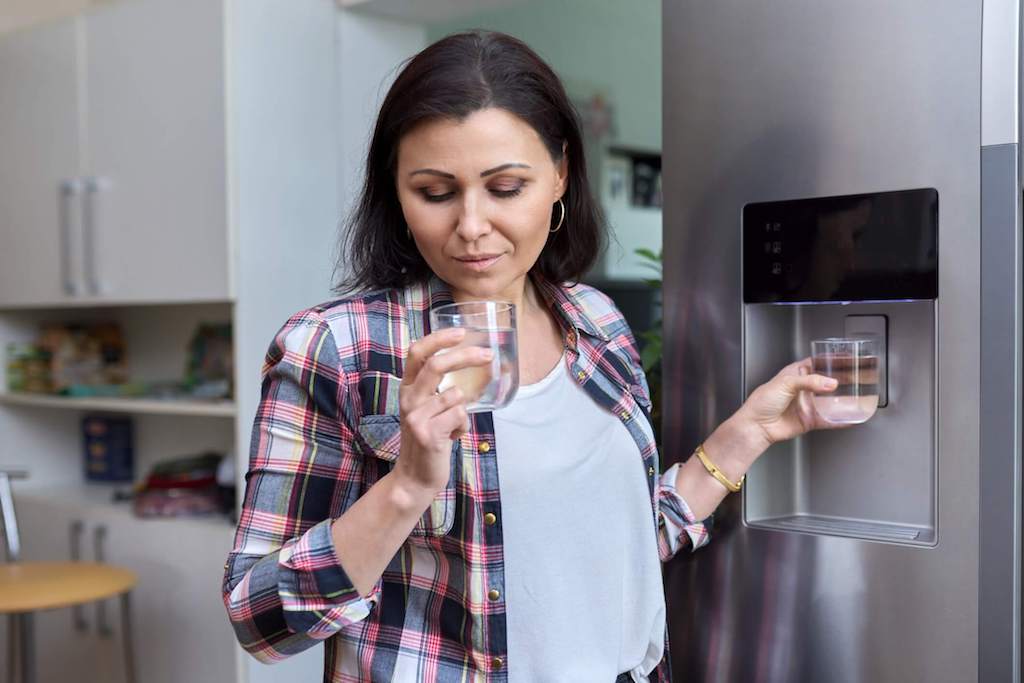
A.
pixel 479 263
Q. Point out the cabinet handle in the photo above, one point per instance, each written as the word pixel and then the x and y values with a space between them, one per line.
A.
pixel 92 188
pixel 102 627
pixel 68 190
pixel 78 612
pixel 99 535
pixel 77 529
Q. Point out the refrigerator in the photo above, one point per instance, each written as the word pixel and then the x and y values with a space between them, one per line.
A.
pixel 833 169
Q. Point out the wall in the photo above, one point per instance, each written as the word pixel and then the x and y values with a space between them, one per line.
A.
pixel 283 142
pixel 19 14
pixel 610 44
pixel 307 78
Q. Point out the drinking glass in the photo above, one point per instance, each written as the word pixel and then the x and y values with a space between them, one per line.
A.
pixel 853 362
pixel 489 325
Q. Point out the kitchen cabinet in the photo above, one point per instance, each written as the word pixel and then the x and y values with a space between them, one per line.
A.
pixel 45 536
pixel 156 188
pixel 39 118
pixel 181 632
pixel 113 180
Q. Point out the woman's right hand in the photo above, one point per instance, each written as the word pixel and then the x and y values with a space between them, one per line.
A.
pixel 431 421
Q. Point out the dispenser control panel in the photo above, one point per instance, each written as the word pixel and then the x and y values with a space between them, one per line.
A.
pixel 864 247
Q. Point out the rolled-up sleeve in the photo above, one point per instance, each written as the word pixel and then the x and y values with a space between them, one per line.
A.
pixel 284 588
pixel 676 524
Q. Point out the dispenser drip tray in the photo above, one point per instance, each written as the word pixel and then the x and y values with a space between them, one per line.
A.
pixel 836 526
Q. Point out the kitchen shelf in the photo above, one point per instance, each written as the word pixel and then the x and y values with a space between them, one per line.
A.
pixel 147 406
pixel 94 499
pixel 107 303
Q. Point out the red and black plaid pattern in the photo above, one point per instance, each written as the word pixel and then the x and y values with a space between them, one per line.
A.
pixel 327 429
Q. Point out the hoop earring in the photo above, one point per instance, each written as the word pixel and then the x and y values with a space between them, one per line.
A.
pixel 561 217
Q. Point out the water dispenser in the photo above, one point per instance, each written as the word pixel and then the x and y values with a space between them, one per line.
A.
pixel 854 266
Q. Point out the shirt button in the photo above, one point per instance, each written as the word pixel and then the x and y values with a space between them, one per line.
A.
pixel 493 595
pixel 485 447
pixel 624 415
pixel 581 375
pixel 490 519
pixel 497 662
pixel 650 471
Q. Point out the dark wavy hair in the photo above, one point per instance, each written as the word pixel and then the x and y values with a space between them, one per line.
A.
pixel 450 79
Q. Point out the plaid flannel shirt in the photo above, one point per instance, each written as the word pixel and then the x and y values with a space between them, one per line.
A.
pixel 327 429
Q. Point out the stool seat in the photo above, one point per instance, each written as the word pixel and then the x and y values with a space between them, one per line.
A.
pixel 31 586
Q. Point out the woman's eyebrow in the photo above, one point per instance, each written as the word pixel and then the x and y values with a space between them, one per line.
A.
pixel 432 171
pixel 503 167
pixel 484 174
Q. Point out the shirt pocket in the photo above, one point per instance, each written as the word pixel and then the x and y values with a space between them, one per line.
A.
pixel 382 434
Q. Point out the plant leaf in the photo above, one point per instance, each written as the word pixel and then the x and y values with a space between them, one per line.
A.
pixel 650 356
pixel 647 254
pixel 652 266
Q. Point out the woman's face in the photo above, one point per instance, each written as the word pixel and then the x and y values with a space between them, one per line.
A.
pixel 478 197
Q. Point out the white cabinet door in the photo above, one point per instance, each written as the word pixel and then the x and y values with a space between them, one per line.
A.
pixel 183 632
pixel 156 145
pixel 39 144
pixel 84 655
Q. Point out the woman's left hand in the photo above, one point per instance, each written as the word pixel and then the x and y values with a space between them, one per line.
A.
pixel 782 407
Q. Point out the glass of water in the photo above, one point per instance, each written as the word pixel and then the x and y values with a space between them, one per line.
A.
pixel 489 325
pixel 853 362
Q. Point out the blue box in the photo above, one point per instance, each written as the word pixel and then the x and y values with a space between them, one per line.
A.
pixel 107 443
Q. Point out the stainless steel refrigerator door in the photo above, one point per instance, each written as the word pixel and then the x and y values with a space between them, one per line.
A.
pixel 802 98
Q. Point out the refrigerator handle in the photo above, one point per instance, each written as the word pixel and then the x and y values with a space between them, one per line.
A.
pixel 68 190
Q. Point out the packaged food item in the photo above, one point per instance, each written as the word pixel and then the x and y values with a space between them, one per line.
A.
pixel 183 486
pixel 90 354
pixel 108 448
pixel 28 368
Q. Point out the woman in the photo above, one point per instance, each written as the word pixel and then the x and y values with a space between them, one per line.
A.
pixel 522 544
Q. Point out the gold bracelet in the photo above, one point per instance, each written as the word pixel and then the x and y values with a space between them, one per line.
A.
pixel 717 473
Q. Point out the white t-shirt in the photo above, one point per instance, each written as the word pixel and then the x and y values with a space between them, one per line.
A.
pixel 584 599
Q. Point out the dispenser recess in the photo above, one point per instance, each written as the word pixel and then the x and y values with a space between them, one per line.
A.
pixel 832 267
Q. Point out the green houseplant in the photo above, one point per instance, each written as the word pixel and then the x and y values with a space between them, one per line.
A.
pixel 650 355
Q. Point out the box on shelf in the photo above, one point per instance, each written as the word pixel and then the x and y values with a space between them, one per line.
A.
pixel 28 369
pixel 84 354
pixel 108 448
pixel 209 371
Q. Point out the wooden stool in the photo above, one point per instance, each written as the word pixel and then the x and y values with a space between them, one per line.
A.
pixel 28 587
